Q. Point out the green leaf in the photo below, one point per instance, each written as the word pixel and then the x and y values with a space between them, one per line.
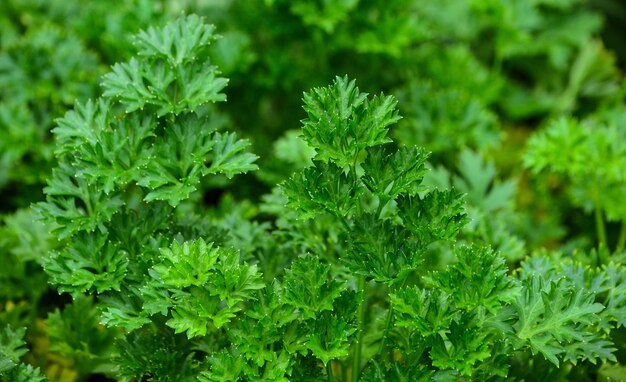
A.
pixel 607 283
pixel 276 370
pixel 123 310
pixel 270 309
pixel 229 157
pixel 293 149
pixel 590 348
pixel 193 312
pixel 478 279
pixel 329 338
pixel 553 315
pixel 126 83
pixel 342 121
pixel 155 354
pixel 199 87
pixel 439 215
pixel 427 312
pixel 206 285
pixel 169 76
pixel 615 286
pixel 466 347
pixel 235 281
pixel 478 182
pixel 382 250
pixel 24 241
pixel 558 148
pixel 178 160
pixel 12 347
pixel 309 287
pixel 389 175
pixel 263 328
pixel 83 124
pixel 24 373
pixel 180 41
pixel 325 15
pixel 491 203
pixel 167 186
pixel 225 367
pixel 590 155
pixel 91 263
pixel 75 333
pixel 396 371
pixel 444 119
pixel 187 264
pixel 76 205
pixel 121 154
pixel 323 188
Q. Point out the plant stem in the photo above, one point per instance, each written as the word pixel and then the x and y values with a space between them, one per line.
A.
pixel 329 371
pixel 600 228
pixel 381 205
pixel 344 222
pixel 621 240
pixel 356 356
pixel 386 330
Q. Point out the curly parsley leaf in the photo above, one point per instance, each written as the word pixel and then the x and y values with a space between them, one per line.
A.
pixel 342 121
pixel 229 157
pixel 308 287
pixel 554 315
pixel 12 348
pixel 205 285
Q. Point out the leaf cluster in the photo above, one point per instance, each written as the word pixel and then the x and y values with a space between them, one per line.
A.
pixel 369 259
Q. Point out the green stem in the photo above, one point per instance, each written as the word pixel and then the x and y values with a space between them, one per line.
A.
pixel 356 356
pixel 600 228
pixel 621 240
pixel 386 330
pixel 381 205
pixel 344 223
pixel 355 180
pixel 389 319
pixel 353 168
pixel 329 371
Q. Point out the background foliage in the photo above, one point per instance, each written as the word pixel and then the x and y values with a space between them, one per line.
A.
pixel 520 103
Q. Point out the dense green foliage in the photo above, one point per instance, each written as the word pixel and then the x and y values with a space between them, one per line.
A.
pixel 199 191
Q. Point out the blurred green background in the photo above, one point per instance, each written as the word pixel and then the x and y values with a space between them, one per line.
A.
pixel 476 80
